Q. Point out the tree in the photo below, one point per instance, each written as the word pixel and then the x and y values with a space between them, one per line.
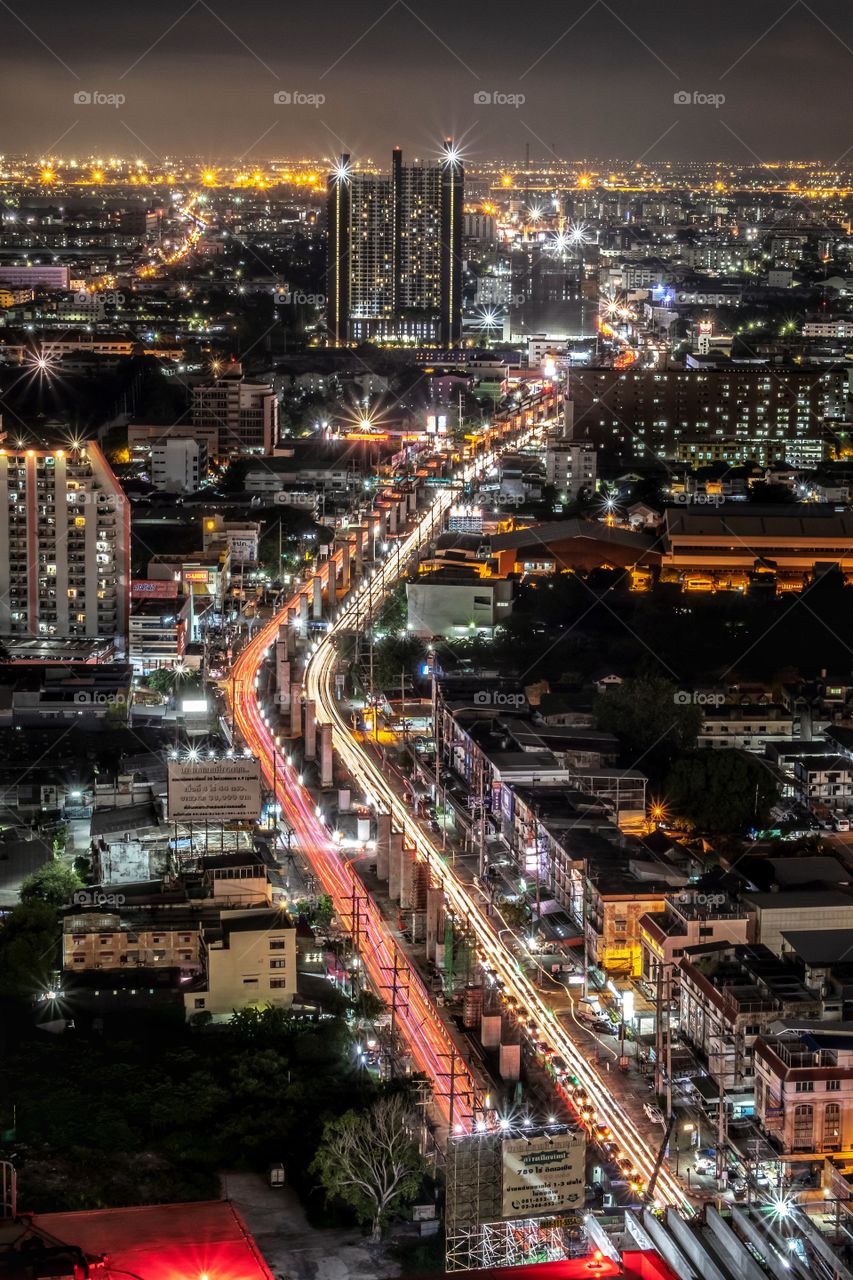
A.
pixel 53 884
pixel 721 792
pixel 650 719
pixel 28 942
pixel 165 680
pixel 368 1160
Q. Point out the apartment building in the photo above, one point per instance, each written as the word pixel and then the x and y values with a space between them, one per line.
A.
pixel 245 413
pixel 646 413
pixel 65 524
pixel 804 1088
pixel 178 465
pixel 148 938
pixel 248 958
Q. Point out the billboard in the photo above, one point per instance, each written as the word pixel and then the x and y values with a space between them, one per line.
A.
pixel 214 790
pixel 155 588
pixel 543 1174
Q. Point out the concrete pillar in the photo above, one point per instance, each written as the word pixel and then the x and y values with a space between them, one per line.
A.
pixel 435 911
pixel 332 586
pixel 318 598
pixel 392 518
pixel 395 859
pixel 326 765
pixel 284 638
pixel 296 711
pixel 383 839
pixel 345 554
pixel 310 731
pixel 303 615
pixel 490 1030
pixel 282 692
pixel 407 877
pixel 360 539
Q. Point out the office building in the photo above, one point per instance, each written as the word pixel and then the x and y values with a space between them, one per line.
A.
pixel 245 413
pixel 65 525
pixel 178 465
pixel 394 272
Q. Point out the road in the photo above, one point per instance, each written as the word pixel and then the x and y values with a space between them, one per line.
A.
pixel 421 1025
pixel 384 962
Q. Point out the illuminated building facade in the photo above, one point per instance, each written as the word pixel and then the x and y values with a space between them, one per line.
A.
pixel 701 416
pixel 394 252
pixel 65 525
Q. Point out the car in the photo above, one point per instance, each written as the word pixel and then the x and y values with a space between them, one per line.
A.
pixel 705 1165
pixel 654 1113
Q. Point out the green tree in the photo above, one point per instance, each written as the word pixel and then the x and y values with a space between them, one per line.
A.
pixel 369 1160
pixel 164 680
pixel 650 720
pixel 54 883
pixel 28 945
pixel 721 792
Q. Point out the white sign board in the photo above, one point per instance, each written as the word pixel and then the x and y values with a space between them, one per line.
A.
pixel 543 1175
pixel 214 790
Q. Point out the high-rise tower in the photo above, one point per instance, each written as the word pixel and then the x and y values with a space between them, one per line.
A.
pixel 394 269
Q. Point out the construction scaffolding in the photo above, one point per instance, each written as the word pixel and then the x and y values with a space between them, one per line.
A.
pixel 477 1233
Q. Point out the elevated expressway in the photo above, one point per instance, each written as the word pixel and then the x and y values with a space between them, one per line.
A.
pixel 419 1022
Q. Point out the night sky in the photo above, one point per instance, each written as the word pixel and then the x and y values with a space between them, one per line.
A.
pixel 408 74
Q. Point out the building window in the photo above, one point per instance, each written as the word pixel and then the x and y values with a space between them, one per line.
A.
pixel 832 1127
pixel 278 964
pixel 198 1003
pixel 833 1086
pixel 278 982
pixel 804 1086
pixel 250 982
pixel 276 944
pixel 803 1127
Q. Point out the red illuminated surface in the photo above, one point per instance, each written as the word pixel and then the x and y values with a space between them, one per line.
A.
pixel 159 1242
pixel 426 1038
pixel 636 1265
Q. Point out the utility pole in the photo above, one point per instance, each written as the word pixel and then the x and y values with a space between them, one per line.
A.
pixel 659 1030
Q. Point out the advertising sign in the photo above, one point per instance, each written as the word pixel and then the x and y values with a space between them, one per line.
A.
pixel 214 790
pixel 155 588
pixel 543 1174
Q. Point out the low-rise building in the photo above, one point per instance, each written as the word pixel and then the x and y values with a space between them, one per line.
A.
pixel 745 726
pixel 149 938
pixel 824 779
pixel 457 602
pixel 690 918
pixel 728 996
pixel 804 1087
pixel 782 911
pixel 248 958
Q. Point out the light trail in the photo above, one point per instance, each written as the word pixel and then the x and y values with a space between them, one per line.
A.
pixel 428 1039
pixel 414 1012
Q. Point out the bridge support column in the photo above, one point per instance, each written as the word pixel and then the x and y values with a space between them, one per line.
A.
pixel 296 710
pixel 318 598
pixel 310 731
pixel 383 839
pixel 395 859
pixel 326 762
